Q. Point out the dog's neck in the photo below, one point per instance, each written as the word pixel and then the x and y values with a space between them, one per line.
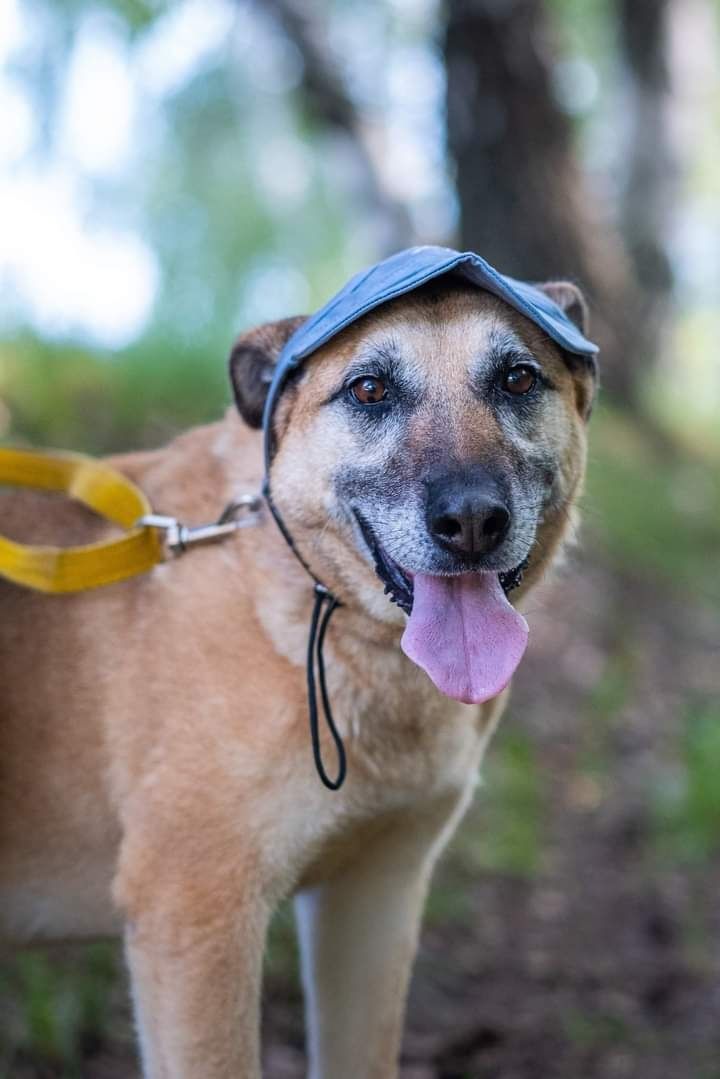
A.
pixel 280 588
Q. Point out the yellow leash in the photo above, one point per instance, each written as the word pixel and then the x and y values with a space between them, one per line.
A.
pixel 102 489
pixel 148 540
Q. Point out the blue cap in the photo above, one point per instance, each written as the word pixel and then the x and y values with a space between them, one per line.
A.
pixel 405 272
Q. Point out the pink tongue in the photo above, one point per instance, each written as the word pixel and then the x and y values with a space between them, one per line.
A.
pixel 464 634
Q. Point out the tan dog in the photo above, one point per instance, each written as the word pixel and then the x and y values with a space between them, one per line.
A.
pixel 156 776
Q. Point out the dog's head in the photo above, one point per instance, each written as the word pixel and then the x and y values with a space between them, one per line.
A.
pixel 436 443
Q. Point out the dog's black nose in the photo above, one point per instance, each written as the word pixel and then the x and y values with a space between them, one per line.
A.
pixel 467 518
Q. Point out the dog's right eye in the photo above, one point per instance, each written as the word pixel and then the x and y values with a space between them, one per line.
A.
pixel 368 390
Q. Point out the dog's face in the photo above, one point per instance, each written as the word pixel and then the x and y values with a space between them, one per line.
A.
pixel 440 435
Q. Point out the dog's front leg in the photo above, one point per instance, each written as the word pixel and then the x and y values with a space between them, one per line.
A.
pixel 358 934
pixel 194 947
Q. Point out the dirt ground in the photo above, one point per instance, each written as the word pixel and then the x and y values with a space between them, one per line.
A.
pixel 573 930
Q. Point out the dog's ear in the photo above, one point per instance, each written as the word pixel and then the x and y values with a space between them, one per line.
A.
pixel 570 299
pixel 252 361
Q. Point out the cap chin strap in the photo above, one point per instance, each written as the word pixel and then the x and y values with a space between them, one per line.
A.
pixel 324 605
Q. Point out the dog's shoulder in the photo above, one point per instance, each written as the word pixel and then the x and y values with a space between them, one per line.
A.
pixel 195 474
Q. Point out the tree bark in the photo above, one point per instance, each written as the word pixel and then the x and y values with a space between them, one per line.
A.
pixel 652 174
pixel 524 203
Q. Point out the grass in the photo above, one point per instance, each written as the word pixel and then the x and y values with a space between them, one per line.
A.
pixel 654 514
pixel 53 1012
pixel 687 804
pixel 592 1031
pixel 69 399
pixel 503 832
pixel 511 809
pixel 282 957
pixel 610 693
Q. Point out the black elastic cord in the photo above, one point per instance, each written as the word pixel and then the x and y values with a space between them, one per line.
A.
pixel 315 656
pixel 288 538
pixel 318 628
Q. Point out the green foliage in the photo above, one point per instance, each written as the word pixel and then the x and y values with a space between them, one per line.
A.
pixel 282 959
pixel 503 832
pixel 584 26
pixel 687 811
pixel 600 720
pixel 655 513
pixel 48 1019
pixel 70 399
pixel 592 1031
pixel 137 14
pixel 515 797
pixel 58 1011
pixel 611 691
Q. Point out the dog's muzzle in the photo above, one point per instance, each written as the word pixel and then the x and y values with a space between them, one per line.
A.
pixel 398 583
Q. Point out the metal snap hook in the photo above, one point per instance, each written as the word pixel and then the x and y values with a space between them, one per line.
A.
pixel 178 536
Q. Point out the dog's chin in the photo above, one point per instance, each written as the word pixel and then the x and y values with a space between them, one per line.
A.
pixel 398 581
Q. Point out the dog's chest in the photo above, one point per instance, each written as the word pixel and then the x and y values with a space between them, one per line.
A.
pixel 401 763
pixel 399 730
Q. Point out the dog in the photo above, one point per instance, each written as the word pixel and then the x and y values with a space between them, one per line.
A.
pixel 156 776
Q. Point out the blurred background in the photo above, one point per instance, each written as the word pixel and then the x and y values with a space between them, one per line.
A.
pixel 172 172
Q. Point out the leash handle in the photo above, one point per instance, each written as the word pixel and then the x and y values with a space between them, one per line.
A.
pixel 318 628
pixel 109 493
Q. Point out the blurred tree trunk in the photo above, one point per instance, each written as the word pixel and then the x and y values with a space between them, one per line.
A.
pixel 523 201
pixel 651 181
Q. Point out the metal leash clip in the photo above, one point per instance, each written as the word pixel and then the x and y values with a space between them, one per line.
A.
pixel 178 536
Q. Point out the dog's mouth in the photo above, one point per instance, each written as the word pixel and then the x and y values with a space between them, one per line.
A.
pixel 462 630
pixel 399 582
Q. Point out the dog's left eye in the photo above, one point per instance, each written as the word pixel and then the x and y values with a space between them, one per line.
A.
pixel 520 379
pixel 368 390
